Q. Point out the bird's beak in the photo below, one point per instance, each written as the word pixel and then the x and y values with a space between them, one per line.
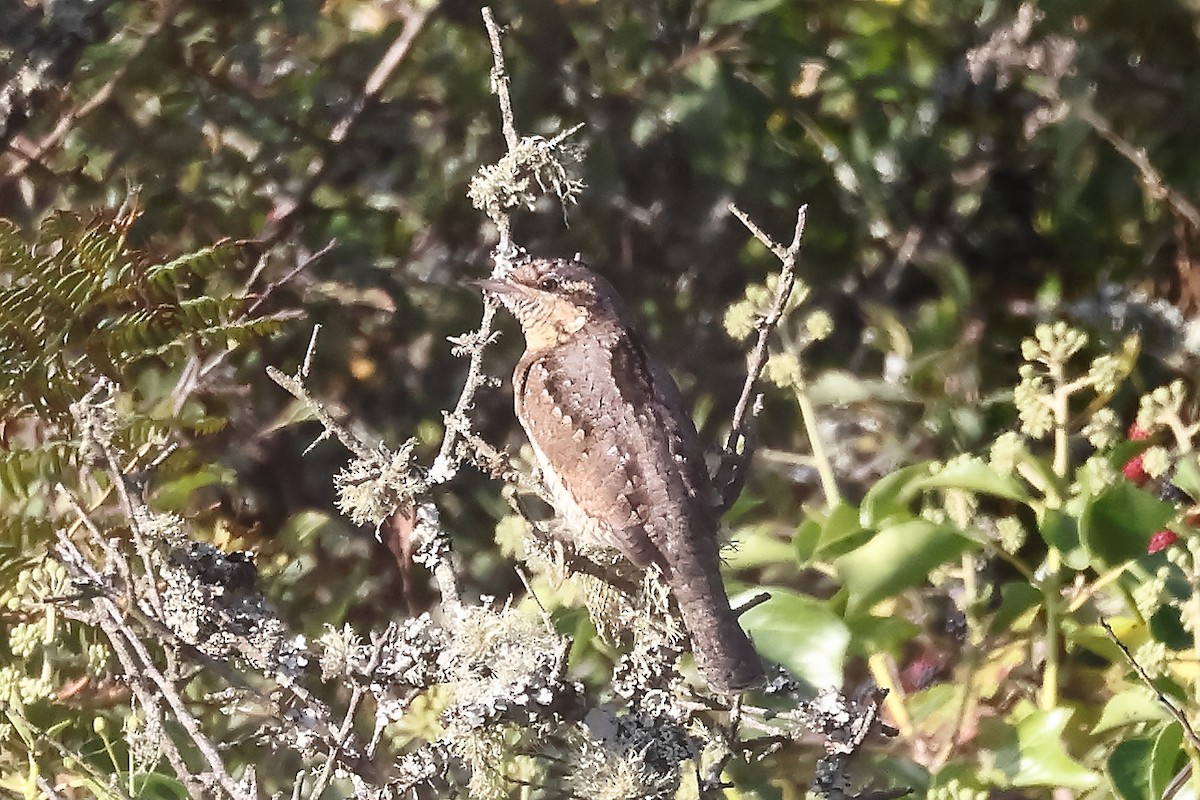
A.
pixel 506 291
pixel 495 287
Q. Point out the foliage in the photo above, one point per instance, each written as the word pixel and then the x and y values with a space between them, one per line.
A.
pixel 979 445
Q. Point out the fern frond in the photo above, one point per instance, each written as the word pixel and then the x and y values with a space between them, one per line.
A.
pixel 16 255
pixel 206 312
pixel 164 278
pixel 27 472
pixel 206 425
pixel 79 303
pixel 229 335
pixel 22 534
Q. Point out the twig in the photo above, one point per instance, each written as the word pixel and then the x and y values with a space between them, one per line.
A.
pixel 47 789
pixel 283 216
pixel 192 377
pixel 528 584
pixel 304 264
pixel 498 465
pixel 344 731
pixel 433 550
pixel 754 602
pixel 1152 180
pixel 34 155
pixel 787 281
pixel 306 364
pixel 737 438
pixel 500 81
pixel 1172 709
pixel 445 465
pixel 711 785
pixel 295 387
pixel 138 665
pixel 319 713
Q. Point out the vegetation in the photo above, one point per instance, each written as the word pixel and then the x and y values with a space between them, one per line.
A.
pixel 267 525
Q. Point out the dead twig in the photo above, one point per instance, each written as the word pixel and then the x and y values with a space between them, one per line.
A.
pixel 500 81
pixel 283 216
pixel 737 449
pixel 1188 731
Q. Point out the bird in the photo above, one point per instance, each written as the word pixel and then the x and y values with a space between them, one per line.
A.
pixel 618 452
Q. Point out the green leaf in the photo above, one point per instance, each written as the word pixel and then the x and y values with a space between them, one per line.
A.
pixel 1166 758
pixel 1187 475
pixel 758 546
pixel 727 12
pixel 841 532
pixel 897 558
pixel 808 534
pixel 938 705
pixel 1167 627
pixel 173 495
pixel 840 388
pixel 1129 769
pixel 152 784
pixel 1116 526
pixel 1128 708
pixel 1016 598
pixel 974 475
pixel 892 495
pixel 1061 531
pixel 802 634
pixel 871 634
pixel 1036 756
pixel 742 508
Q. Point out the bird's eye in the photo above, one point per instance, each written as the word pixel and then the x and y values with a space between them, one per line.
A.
pixel 548 284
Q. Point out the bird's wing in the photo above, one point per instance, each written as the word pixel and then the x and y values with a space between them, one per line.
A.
pixel 624 458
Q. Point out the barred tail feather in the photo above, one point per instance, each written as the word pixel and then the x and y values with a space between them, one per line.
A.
pixel 724 653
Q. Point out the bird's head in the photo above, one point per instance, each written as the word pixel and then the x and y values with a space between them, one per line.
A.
pixel 554 299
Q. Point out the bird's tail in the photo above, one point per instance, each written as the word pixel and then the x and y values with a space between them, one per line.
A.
pixel 724 653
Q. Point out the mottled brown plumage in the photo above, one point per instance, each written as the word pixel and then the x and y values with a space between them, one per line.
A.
pixel 618 452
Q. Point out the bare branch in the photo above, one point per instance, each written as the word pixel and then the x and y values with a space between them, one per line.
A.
pixel 458 424
pixel 343 733
pixel 283 217
pixel 295 387
pixel 754 602
pixel 500 80
pixel 303 264
pixel 1155 186
pixel 758 356
pixel 138 665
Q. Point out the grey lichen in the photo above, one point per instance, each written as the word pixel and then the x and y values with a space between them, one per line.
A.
pixel 372 489
pixel 509 183
pixel 209 601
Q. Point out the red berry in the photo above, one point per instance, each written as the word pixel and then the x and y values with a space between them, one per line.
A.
pixel 1137 433
pixel 1134 471
pixel 921 673
pixel 1161 540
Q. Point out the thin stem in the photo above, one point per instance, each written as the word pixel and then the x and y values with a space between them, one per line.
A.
pixel 1097 585
pixel 1052 584
pixel 821 460
pixel 284 216
pixel 1050 595
pixel 445 465
pixel 737 446
pixel 1188 731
